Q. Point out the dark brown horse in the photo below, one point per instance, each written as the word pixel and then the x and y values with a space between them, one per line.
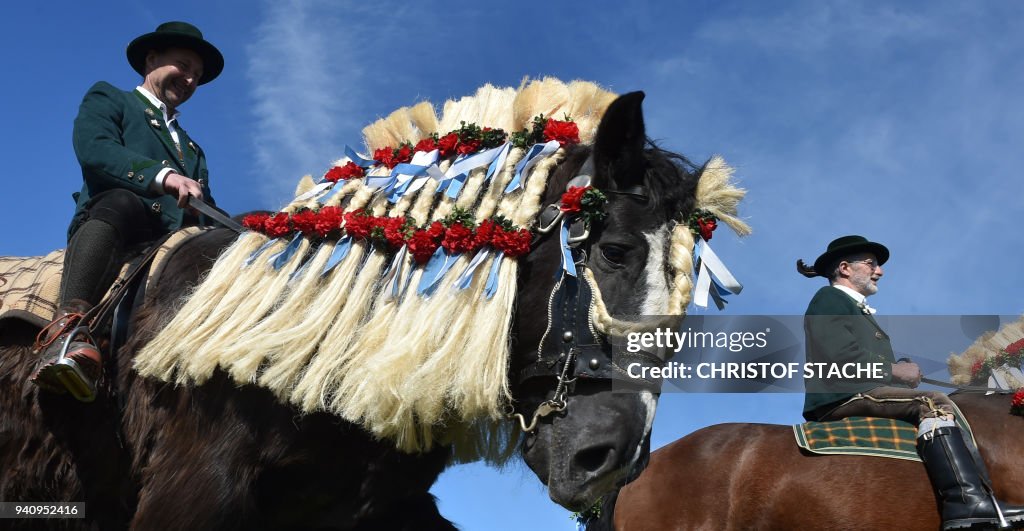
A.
pixel 753 476
pixel 153 455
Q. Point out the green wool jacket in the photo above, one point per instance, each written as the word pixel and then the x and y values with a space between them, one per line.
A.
pixel 838 331
pixel 121 142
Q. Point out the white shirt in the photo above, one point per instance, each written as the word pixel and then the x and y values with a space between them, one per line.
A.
pixel 858 297
pixel 169 121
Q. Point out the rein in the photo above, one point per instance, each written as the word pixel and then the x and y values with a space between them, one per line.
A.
pixel 975 388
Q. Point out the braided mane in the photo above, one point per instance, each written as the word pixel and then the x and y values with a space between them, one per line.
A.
pixel 342 341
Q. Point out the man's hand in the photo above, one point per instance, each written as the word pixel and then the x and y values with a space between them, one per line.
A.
pixel 907 372
pixel 182 187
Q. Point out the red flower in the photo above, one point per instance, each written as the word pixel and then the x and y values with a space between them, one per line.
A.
pixel 513 243
pixel 447 143
pixel 305 222
pixel 458 238
pixel 350 170
pixel 436 230
pixel 1017 403
pixel 255 222
pixel 395 231
pixel 571 199
pixel 277 226
pixel 422 246
pixel 427 145
pixel 484 233
pixel 1015 347
pixel 466 147
pixel 385 156
pixel 403 154
pixel 707 226
pixel 976 368
pixel 358 224
pixel 328 220
pixel 563 132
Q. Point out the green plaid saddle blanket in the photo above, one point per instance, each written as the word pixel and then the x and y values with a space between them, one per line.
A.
pixel 863 436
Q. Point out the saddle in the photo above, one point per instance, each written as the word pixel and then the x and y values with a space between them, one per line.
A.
pixel 29 286
pixel 871 436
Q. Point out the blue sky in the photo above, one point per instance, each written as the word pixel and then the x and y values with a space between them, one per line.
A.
pixel 901 121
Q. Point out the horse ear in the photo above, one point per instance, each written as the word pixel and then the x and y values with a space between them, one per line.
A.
pixel 619 144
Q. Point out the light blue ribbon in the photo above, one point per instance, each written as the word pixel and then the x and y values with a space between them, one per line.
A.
pixel 256 254
pixel 302 269
pixel 393 273
pixel 456 175
pixel 499 162
pixel 341 250
pixel 713 278
pixel 536 154
pixel 466 277
pixel 436 267
pixel 492 277
pixel 360 161
pixel 280 259
pixel 568 264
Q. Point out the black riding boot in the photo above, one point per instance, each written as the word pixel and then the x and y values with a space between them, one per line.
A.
pixel 90 266
pixel 966 501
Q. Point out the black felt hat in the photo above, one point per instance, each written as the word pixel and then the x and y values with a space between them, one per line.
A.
pixel 180 35
pixel 840 247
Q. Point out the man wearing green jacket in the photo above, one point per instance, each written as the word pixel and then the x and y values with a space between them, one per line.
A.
pixel 839 328
pixel 139 168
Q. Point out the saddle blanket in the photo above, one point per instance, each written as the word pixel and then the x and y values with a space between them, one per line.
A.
pixel 864 436
pixel 29 286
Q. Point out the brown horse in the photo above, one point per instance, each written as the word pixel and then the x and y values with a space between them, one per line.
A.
pixel 753 476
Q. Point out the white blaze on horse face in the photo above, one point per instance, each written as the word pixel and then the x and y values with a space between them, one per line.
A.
pixel 655 272
pixel 650 403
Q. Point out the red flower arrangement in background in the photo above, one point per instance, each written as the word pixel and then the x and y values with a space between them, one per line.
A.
pixel 1017 403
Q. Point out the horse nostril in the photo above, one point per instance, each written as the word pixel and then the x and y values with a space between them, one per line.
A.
pixel 594 459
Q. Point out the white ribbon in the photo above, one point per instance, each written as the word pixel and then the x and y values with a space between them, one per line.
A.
pixel 713 277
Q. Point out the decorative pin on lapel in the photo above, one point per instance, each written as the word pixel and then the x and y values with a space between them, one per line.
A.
pixel 154 123
pixel 193 146
pixel 150 111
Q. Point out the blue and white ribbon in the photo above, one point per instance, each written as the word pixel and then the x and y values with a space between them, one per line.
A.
pixel 280 259
pixel 256 254
pixel 320 188
pixel 499 162
pixel 536 154
pixel 713 278
pixel 359 160
pixel 341 250
pixel 439 264
pixel 492 277
pixel 568 264
pixel 457 173
pixel 393 273
pixel 466 277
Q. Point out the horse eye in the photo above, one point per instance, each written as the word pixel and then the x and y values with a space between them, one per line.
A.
pixel 614 254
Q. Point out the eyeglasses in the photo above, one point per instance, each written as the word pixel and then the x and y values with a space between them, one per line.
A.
pixel 867 261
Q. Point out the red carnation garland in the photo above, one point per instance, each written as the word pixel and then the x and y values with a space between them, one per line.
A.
pixel 350 170
pixel 1012 356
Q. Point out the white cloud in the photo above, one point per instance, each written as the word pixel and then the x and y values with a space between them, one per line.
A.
pixel 305 83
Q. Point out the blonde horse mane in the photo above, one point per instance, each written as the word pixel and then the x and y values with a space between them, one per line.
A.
pixel 986 347
pixel 418 370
